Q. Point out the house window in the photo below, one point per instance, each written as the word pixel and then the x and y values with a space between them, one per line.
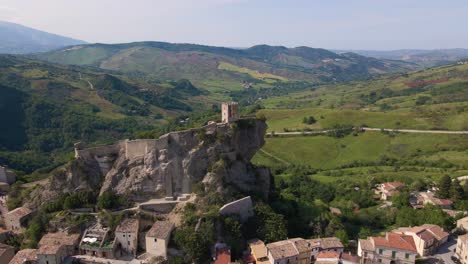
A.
pixel 407 255
pixel 128 242
pixel 365 254
pixel 155 239
pixel 123 235
pixel 380 260
pixel 380 251
pixel 393 254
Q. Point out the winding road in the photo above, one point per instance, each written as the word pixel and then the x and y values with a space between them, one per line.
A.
pixel 91 86
pixel 298 133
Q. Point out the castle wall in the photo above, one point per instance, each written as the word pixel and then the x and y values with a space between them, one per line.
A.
pixel 242 207
pixel 99 151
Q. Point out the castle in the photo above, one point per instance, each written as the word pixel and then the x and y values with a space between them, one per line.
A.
pixel 229 112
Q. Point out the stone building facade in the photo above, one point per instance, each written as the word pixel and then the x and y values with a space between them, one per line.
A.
pixel 229 112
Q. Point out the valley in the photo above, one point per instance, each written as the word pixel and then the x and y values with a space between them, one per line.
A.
pixel 291 142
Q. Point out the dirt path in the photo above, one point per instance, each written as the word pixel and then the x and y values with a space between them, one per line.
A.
pixel 91 86
pixel 274 157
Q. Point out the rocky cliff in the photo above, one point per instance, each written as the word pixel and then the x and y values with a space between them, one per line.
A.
pixel 217 155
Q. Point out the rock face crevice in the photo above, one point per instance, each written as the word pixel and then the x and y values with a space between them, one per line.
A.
pixel 169 166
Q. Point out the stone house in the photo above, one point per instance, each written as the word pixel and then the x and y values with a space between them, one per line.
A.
pixel 393 248
pixel 462 223
pixel 298 250
pixel 6 253
pixel 25 256
pixel 387 190
pixel 461 250
pixel 157 238
pixel 259 251
pixel 55 247
pixel 15 220
pixel 424 198
pixel 97 242
pixel 427 238
pixel 126 234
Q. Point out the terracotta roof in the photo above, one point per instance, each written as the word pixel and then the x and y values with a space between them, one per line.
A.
pixel 282 249
pixel 426 235
pixel 223 256
pixel 160 229
pixel 128 226
pixel 19 212
pixel 396 241
pixel 51 242
pixel 437 231
pixel 350 258
pixel 24 255
pixel 328 254
pixel 366 244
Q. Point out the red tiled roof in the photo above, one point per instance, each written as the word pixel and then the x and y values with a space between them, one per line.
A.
pixel 396 241
pixel 350 258
pixel 223 256
pixel 328 254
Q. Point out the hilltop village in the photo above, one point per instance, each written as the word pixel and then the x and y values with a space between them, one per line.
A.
pixel 158 177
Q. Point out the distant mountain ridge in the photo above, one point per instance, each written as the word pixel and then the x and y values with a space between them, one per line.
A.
pixel 425 58
pixel 18 39
pixel 227 67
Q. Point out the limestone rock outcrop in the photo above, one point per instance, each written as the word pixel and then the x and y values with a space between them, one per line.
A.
pixel 217 155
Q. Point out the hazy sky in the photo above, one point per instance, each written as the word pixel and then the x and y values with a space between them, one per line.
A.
pixel 332 24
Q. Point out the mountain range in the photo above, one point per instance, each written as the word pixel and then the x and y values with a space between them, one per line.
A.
pixel 220 68
pixel 424 58
pixel 18 39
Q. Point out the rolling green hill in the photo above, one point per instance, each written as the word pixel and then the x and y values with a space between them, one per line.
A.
pixel 435 98
pixel 224 69
pixel 46 108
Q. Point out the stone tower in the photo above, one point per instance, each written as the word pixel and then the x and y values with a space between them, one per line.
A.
pixel 229 112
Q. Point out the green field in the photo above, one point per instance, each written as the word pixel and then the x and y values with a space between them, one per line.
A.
pixel 419 155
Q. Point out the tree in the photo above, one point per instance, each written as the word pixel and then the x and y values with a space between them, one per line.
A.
pixel 364 232
pixel 270 225
pixel 342 236
pixel 456 191
pixel 401 199
pixel 109 200
pixel 309 120
pixel 333 226
pixel 445 185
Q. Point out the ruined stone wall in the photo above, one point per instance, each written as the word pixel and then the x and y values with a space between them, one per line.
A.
pixel 98 151
pixel 242 208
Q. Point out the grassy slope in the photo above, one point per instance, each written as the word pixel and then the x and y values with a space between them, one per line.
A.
pixel 352 103
pixel 349 104
pixel 327 153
